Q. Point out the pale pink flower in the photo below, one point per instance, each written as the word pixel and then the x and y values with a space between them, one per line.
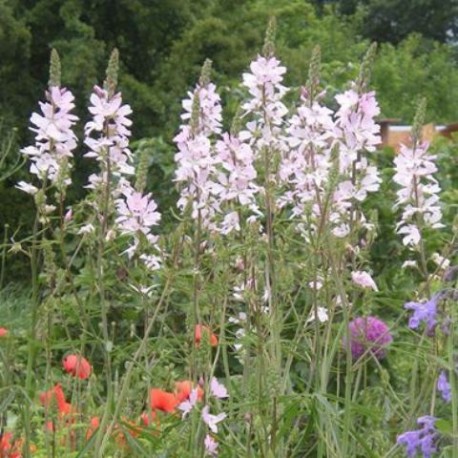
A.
pixel 68 215
pixel 136 212
pixel 55 140
pixel 27 187
pixel 196 159
pixel 212 420
pixel 210 110
pixel 135 215
pixel 230 223
pixel 305 165
pixel 411 234
pixel 86 229
pixel 211 446
pixel 321 315
pixel 266 90
pixel 187 405
pixel 107 136
pixel 364 280
pixel 418 193
pixel 152 262
pixel 218 389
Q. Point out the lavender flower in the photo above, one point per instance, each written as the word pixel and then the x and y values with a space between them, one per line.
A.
pixel 369 334
pixel 421 440
pixel 424 312
pixel 444 387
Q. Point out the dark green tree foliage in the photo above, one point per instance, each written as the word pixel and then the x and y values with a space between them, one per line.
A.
pixel 17 83
pixel 144 32
pixel 393 20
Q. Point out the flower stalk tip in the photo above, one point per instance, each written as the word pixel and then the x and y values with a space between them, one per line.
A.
pixel 54 69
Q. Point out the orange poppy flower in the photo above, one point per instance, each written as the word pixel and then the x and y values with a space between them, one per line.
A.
pixel 78 366
pixel 3 332
pixel 183 390
pixel 201 329
pixel 162 400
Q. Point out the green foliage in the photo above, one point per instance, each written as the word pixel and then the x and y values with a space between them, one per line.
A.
pixel 394 20
pixel 416 68
pixel 17 87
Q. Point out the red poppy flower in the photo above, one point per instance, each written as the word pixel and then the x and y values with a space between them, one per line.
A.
pixel 94 424
pixel 201 329
pixel 183 390
pixel 162 400
pixel 10 448
pixel 78 366
pixel 147 418
pixel 55 396
pixel 3 332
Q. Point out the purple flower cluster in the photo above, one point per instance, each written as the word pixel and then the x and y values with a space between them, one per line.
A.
pixel 421 440
pixel 369 334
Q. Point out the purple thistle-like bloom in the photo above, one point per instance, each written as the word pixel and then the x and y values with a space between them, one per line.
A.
pixel 369 333
pixel 421 440
pixel 424 312
pixel 444 387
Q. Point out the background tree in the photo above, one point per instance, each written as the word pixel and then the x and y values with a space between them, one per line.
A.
pixel 393 20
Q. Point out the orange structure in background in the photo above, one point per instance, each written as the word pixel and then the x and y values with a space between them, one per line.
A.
pixel 393 135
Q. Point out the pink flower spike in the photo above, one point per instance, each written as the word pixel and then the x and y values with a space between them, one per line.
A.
pixel 364 280
pixel 212 420
pixel 218 389
pixel 187 405
pixel 211 446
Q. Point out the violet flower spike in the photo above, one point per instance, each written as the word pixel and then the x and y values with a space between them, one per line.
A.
pixel 444 388
pixel 422 440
